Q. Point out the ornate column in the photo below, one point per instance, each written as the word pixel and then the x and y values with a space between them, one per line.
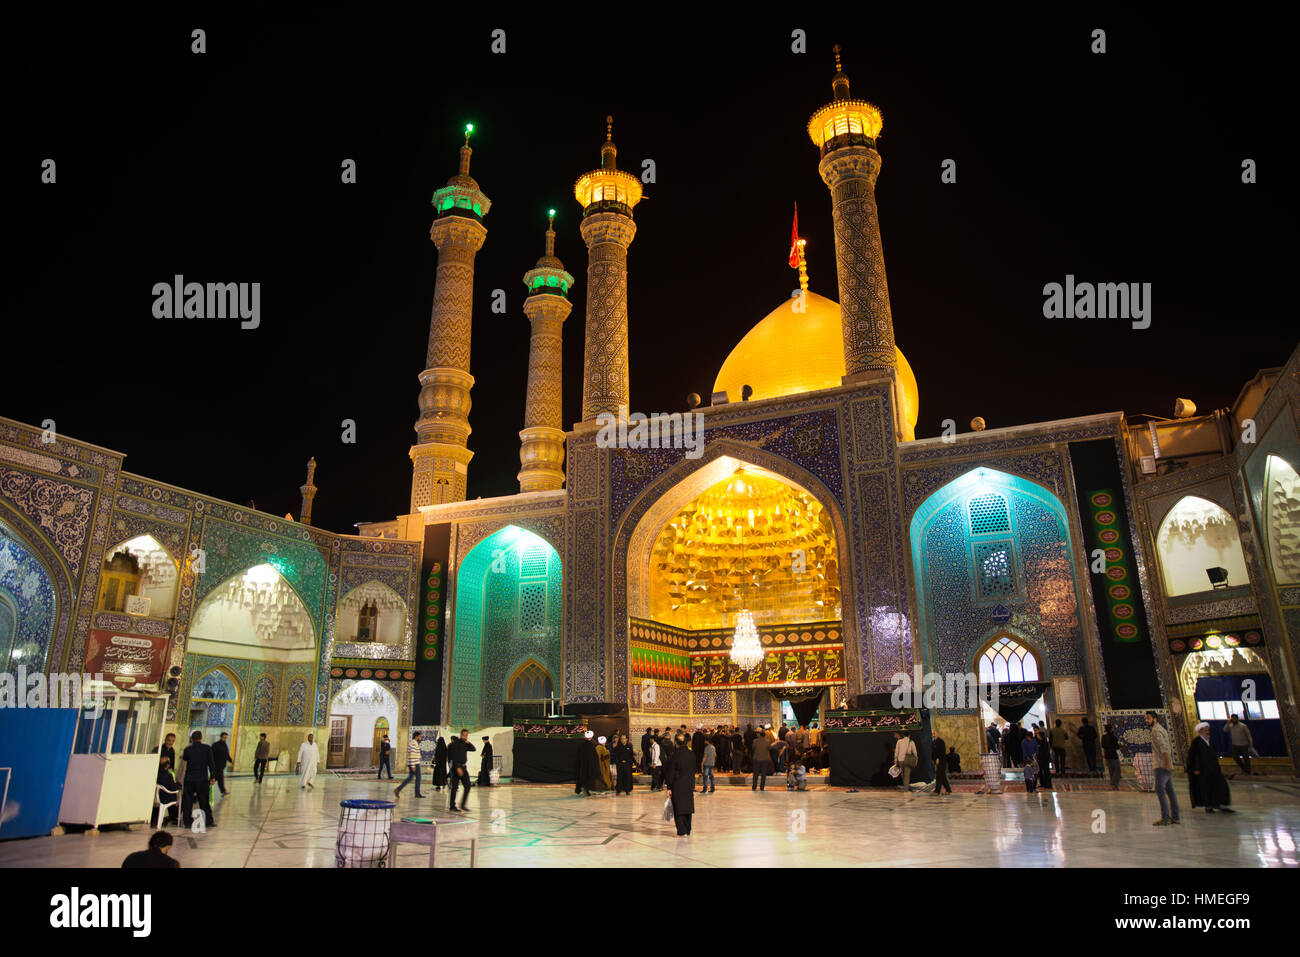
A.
pixel 845 130
pixel 607 196
pixel 440 456
pixel 541 448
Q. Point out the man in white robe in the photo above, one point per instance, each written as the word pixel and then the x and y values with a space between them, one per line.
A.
pixel 308 758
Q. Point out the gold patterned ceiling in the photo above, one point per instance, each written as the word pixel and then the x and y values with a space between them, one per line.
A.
pixel 749 541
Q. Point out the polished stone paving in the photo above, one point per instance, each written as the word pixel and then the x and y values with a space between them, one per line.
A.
pixel 528 825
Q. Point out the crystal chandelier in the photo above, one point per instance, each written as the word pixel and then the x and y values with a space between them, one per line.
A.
pixel 746 651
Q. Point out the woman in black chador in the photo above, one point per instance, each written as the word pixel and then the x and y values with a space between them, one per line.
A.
pixel 680 776
pixel 1204 776
pixel 440 764
pixel 623 758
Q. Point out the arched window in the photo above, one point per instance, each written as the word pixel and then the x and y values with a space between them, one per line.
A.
pixel 1007 661
pixel 531 682
pixel 1199 548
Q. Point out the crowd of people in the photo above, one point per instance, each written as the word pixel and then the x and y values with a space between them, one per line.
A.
pixel 1042 750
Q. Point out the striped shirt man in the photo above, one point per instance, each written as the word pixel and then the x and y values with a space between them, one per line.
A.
pixel 413 754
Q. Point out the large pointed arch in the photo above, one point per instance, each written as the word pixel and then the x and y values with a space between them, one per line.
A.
pixel 476 682
pixel 979 483
pixel 39 593
pixel 228 614
pixel 648 512
pixel 1282 518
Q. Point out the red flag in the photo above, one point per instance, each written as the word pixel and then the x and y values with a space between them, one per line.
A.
pixel 794 239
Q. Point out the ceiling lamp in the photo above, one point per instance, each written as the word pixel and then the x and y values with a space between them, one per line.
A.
pixel 746 651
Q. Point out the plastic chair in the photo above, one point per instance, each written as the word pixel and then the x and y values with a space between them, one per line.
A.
pixel 159 792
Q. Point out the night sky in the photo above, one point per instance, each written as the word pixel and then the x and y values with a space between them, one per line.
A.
pixel 225 167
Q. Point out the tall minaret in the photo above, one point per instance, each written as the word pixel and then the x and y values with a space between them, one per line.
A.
pixel 440 455
pixel 607 196
pixel 308 493
pixel 845 130
pixel 541 448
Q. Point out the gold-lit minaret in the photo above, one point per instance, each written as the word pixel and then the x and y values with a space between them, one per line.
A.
pixel 607 196
pixel 845 131
pixel 440 455
pixel 541 443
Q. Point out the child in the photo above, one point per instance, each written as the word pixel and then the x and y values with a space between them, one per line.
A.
pixel 789 777
pixel 801 776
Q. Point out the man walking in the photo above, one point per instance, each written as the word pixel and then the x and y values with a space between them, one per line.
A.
pixel 221 757
pixel 1162 761
pixel 458 753
pixel 413 759
pixel 1240 739
pixel 308 759
pixel 939 752
pixel 260 758
pixel 905 757
pixel 645 749
pixel 385 758
pixel 199 772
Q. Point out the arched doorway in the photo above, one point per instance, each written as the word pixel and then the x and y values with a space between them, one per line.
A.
pixel 730 542
pixel 214 706
pixel 360 713
pixel 509 604
pixel 1218 682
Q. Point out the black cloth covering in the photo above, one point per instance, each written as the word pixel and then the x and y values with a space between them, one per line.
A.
pixel 1204 776
pixel 861 759
pixel 485 769
pixel 440 764
pixel 586 775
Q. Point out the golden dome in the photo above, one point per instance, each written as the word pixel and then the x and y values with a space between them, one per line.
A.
pixel 791 352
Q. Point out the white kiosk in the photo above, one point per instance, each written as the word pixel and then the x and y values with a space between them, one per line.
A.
pixel 114 764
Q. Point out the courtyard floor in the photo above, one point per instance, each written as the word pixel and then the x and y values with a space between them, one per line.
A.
pixel 276 824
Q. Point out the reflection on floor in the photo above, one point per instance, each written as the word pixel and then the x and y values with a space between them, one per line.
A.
pixel 278 825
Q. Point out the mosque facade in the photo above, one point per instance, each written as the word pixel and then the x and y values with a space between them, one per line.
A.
pixel 1108 564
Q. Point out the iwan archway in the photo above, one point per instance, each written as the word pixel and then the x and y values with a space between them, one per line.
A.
pixel 732 539
pixel 509 603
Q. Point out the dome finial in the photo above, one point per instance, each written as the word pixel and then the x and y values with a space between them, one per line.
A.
pixel 608 151
pixel 465 151
pixel 550 234
pixel 840 82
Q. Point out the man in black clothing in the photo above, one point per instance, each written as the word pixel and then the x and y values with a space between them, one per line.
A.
pixel 485 768
pixel 939 752
pixel 160 843
pixel 645 749
pixel 458 754
pixel 200 769
pixel 1088 738
pixel 697 746
pixel 220 758
pixel 385 758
